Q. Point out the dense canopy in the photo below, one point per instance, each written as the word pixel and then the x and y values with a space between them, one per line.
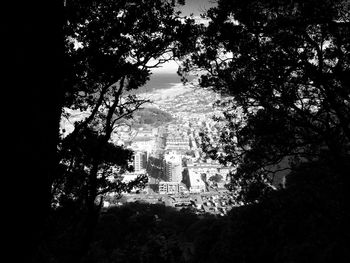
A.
pixel 283 69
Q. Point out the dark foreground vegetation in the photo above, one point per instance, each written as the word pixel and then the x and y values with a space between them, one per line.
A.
pixel 303 223
pixel 283 70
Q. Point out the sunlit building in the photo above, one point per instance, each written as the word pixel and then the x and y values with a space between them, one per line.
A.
pixel 196 183
pixel 169 187
pixel 173 167
pixel 140 161
pixel 172 188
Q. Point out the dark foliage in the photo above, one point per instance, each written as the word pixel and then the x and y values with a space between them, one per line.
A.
pixel 282 68
pixel 303 223
pixel 293 91
pixel 216 178
pixel 141 233
pixel 109 47
pixel 306 222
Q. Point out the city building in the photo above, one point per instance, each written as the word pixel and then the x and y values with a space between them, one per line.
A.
pixel 196 184
pixel 140 161
pixel 145 132
pixel 204 168
pixel 173 167
pixel 169 187
pixel 128 177
pixel 177 142
pixel 146 143
pixel 172 188
pixel 210 169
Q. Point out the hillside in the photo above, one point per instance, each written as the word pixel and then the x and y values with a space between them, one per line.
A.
pixel 151 116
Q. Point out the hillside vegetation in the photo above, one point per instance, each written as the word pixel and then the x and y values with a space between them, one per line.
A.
pixel 151 116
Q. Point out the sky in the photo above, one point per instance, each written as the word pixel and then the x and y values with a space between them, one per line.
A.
pixel 196 7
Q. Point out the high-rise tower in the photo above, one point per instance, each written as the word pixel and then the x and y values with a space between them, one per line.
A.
pixel 173 167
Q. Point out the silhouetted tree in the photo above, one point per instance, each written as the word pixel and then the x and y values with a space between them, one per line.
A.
pixel 110 48
pixel 304 222
pixel 139 232
pixel 282 68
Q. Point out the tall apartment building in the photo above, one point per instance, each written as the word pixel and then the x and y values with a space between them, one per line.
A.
pixel 140 161
pixel 173 167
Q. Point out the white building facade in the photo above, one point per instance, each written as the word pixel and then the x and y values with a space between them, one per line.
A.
pixel 173 167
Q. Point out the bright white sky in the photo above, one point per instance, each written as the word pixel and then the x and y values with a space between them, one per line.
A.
pixel 168 67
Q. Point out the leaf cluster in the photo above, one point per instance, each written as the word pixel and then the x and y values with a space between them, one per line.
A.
pixel 281 69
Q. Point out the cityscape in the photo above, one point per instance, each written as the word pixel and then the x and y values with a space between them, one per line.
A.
pixel 169 151
pixel 179 172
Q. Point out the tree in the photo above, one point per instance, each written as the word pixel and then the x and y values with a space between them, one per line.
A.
pixel 282 68
pixel 216 178
pixel 304 222
pixel 110 49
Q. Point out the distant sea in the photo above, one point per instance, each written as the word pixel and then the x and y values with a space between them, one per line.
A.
pixel 161 81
